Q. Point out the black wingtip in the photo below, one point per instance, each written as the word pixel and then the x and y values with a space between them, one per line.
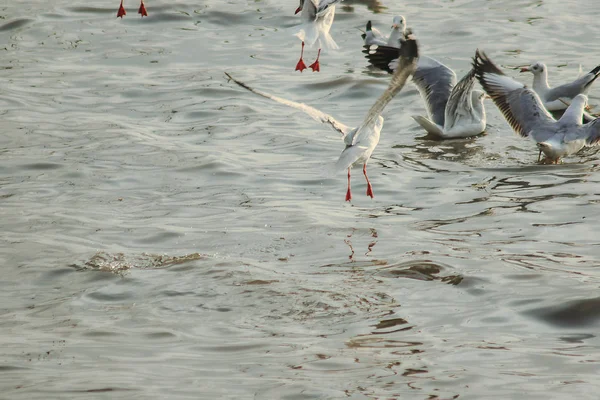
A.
pixel 482 64
pixel 380 56
pixel 369 26
pixel 595 71
pixel 409 48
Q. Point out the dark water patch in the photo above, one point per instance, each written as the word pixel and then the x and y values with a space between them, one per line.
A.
pixel 388 326
pixel 234 348
pixel 102 390
pixel 160 335
pixel 111 297
pixel 425 270
pixel 158 238
pixel 221 18
pixel 56 274
pixel 16 24
pixel 379 342
pixel 42 166
pixel 572 314
pixel 6 368
pixel 577 338
pixel 99 334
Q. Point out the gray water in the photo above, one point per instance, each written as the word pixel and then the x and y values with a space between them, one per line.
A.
pixel 166 234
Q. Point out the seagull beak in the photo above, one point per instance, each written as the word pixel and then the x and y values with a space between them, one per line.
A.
pixel 395 26
pixel 298 10
pixel 525 69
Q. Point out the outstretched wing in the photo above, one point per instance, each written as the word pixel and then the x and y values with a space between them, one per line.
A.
pixel 435 82
pixel 460 102
pixel 409 55
pixel 572 89
pixel 325 4
pixel 311 111
pixel 381 56
pixel 521 106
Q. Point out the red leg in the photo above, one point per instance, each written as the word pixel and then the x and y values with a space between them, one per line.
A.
pixel 121 11
pixel 315 66
pixel 301 66
pixel 142 9
pixel 369 187
pixel 348 193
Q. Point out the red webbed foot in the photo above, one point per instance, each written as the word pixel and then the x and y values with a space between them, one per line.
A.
pixel 142 9
pixel 315 66
pixel 121 11
pixel 370 191
pixel 300 66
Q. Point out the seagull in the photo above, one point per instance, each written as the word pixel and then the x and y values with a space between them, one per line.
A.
pixel 453 110
pixel 362 140
pixel 558 98
pixel 373 36
pixel 526 114
pixel 318 17
pixel 142 10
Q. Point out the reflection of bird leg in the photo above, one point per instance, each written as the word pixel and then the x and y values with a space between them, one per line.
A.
pixel 349 243
pixel 348 192
pixel 370 248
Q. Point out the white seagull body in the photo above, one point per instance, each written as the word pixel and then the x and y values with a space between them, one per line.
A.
pixel 526 114
pixel 317 17
pixel 373 36
pixel 558 98
pixel 362 140
pixel 453 110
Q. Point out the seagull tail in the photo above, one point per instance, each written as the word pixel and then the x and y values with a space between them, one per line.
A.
pixel 308 33
pixel 429 126
pixel 349 156
pixel 327 42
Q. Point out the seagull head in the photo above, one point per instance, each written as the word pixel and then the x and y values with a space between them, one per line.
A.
pixel 299 7
pixel 535 69
pixel 399 23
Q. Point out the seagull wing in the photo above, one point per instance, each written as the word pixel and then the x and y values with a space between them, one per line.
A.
pixel 572 89
pixel 409 55
pixel 521 106
pixel 325 4
pixel 460 102
pixel 310 111
pixel 435 82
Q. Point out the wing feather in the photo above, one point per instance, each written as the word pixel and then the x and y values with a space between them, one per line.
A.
pixel 310 111
pixel 521 106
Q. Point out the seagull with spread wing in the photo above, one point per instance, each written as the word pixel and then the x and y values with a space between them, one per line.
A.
pixel 362 140
pixel 454 110
pixel 526 114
